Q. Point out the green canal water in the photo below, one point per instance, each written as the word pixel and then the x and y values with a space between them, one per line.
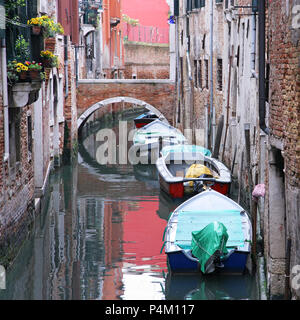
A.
pixel 99 236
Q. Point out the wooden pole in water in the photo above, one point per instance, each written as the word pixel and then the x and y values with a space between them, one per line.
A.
pixel 218 138
pixel 228 99
pixel 253 204
pixel 240 178
pixel 287 269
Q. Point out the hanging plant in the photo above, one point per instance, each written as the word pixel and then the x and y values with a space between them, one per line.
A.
pixel 50 27
pixel 49 59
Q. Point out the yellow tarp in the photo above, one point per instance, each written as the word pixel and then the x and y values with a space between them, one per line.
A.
pixel 196 170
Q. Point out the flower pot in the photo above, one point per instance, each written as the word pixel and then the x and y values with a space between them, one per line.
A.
pixel 47 63
pixel 34 74
pixel 23 75
pixel 36 30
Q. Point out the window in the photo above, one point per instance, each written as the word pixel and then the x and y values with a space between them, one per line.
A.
pixel 199 74
pixel 219 74
pixel 202 3
pixel 188 6
pixel 206 73
pixel 195 74
pixel 203 42
pixel 14 136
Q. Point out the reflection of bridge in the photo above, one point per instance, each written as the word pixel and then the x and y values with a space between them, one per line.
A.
pixel 154 94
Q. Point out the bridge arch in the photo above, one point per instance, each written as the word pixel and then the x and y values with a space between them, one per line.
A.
pixel 85 115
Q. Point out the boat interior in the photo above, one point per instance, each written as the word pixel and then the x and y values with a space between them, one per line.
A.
pixel 178 166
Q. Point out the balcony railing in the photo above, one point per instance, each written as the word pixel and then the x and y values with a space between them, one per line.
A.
pixel 16 27
pixel 146 34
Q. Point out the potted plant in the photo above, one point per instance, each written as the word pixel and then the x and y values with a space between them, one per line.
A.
pixel 49 59
pixel 50 27
pixel 16 71
pixel 34 69
pixel 36 24
pixel 22 49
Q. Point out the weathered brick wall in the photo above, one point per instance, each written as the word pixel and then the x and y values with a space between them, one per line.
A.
pixel 18 205
pixel 284 119
pixel 146 61
pixel 70 107
pixel 159 95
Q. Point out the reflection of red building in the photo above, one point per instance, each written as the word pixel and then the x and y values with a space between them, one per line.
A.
pixel 142 236
pixel 133 240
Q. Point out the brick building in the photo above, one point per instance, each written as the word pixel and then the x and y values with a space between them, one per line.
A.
pixel 248 81
pixel 282 204
pixel 37 117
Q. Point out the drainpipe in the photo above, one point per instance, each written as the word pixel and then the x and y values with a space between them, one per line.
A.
pixel 190 86
pixel 253 47
pixel 5 98
pixel 178 71
pixel 212 110
pixel 262 83
pixel 66 65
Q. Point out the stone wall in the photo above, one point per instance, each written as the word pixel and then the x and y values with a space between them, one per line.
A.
pixel 146 61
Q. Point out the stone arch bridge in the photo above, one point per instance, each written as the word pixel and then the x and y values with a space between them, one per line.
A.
pixel 157 95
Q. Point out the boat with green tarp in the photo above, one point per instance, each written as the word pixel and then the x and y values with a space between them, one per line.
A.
pixel 208 232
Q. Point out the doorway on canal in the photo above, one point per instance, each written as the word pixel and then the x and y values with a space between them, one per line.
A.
pixel 100 236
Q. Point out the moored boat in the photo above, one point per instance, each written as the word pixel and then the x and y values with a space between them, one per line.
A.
pixel 189 172
pixel 150 139
pixel 144 119
pixel 224 249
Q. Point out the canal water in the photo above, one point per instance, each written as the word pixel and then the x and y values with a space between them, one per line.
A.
pixel 100 236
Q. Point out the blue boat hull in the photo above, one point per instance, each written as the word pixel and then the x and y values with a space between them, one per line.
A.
pixel 180 262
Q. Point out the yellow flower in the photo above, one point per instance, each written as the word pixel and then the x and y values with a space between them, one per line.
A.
pixel 18 69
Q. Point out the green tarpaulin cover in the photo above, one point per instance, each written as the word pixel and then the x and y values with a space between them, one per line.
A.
pixel 207 241
pixel 208 227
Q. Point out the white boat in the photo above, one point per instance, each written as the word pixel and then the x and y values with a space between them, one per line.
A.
pixel 174 165
pixel 150 139
pixel 192 217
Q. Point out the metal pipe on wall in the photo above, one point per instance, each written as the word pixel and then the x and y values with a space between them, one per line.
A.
pixel 212 109
pixel 262 80
pixel 253 46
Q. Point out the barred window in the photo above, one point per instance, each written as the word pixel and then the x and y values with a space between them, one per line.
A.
pixel 200 74
pixel 219 74
pixel 206 73
pixel 195 74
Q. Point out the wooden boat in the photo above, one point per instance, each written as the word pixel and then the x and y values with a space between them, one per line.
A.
pixel 174 180
pixel 144 119
pixel 192 217
pixel 150 139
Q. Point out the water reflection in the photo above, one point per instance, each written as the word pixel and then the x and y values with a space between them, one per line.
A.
pixel 210 287
pixel 100 237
